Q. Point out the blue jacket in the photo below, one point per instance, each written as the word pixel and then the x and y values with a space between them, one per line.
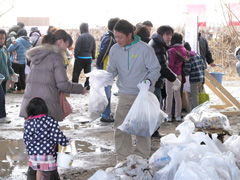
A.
pixel 23 44
pixel 107 41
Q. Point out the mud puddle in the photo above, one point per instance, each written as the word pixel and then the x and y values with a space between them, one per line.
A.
pixel 14 159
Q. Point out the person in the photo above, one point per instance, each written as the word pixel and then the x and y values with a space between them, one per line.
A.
pixel 133 61
pixel 21 24
pixel 6 70
pixel 205 51
pixel 144 33
pixel 84 53
pixel 51 29
pixel 11 38
pixel 48 74
pixel 237 55
pixel 41 136
pixel 107 41
pixel 35 36
pixel 177 55
pixel 195 69
pixel 149 25
pixel 160 42
pixel 21 46
pixel 69 55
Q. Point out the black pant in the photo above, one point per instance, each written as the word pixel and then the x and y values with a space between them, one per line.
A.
pixel 80 64
pixel 2 101
pixel 46 175
pixel 20 69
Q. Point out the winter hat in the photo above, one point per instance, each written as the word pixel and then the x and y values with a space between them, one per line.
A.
pixel 21 24
pixel 34 29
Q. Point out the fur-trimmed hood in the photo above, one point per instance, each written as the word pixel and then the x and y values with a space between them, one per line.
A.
pixel 37 54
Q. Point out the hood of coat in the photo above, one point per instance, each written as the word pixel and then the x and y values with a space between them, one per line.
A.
pixel 158 39
pixel 84 28
pixel 24 40
pixel 192 53
pixel 37 54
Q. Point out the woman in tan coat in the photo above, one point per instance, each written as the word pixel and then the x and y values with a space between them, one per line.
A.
pixel 48 75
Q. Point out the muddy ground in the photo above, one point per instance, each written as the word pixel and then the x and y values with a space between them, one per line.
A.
pixel 93 139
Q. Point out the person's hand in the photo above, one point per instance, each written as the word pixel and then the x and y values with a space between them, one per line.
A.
pixel 147 82
pixel 176 84
pixel 84 91
pixel 212 64
pixel 95 63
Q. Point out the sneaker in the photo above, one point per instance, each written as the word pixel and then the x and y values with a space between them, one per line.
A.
pixel 179 118
pixel 108 120
pixel 4 120
pixel 10 90
pixel 169 119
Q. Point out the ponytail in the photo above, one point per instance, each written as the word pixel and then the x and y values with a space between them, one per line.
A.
pixel 51 38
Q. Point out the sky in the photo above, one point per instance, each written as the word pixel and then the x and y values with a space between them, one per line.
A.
pixel 71 13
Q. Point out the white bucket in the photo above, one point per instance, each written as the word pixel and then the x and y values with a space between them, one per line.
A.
pixel 15 78
pixel 65 160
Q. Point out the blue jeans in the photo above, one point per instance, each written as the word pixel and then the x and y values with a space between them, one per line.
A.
pixel 2 103
pixel 158 94
pixel 107 112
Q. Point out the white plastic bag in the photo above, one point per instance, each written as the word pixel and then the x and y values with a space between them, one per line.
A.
pixel 98 79
pixel 191 170
pixel 145 115
pixel 205 117
pixel 233 145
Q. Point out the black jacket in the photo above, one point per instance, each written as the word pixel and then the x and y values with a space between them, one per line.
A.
pixel 85 45
pixel 160 48
pixel 205 50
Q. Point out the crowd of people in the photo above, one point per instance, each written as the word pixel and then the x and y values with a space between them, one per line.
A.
pixel 132 54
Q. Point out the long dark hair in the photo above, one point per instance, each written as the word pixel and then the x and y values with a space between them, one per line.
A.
pixel 51 38
pixel 36 106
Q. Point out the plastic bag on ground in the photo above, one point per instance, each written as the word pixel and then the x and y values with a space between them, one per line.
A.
pixel 205 117
pixel 191 170
pixel 98 79
pixel 134 167
pixel 233 145
pixel 145 115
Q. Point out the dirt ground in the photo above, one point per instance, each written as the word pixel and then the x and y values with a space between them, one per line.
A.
pixel 93 139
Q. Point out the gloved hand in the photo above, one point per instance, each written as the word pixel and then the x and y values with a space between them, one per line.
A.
pixel 176 84
pixel 147 82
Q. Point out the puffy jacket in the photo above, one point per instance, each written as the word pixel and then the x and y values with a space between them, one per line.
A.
pixel 175 61
pixel 160 48
pixel 46 78
pixel 22 45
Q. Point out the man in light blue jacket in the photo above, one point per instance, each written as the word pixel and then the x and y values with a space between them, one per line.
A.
pixel 133 61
